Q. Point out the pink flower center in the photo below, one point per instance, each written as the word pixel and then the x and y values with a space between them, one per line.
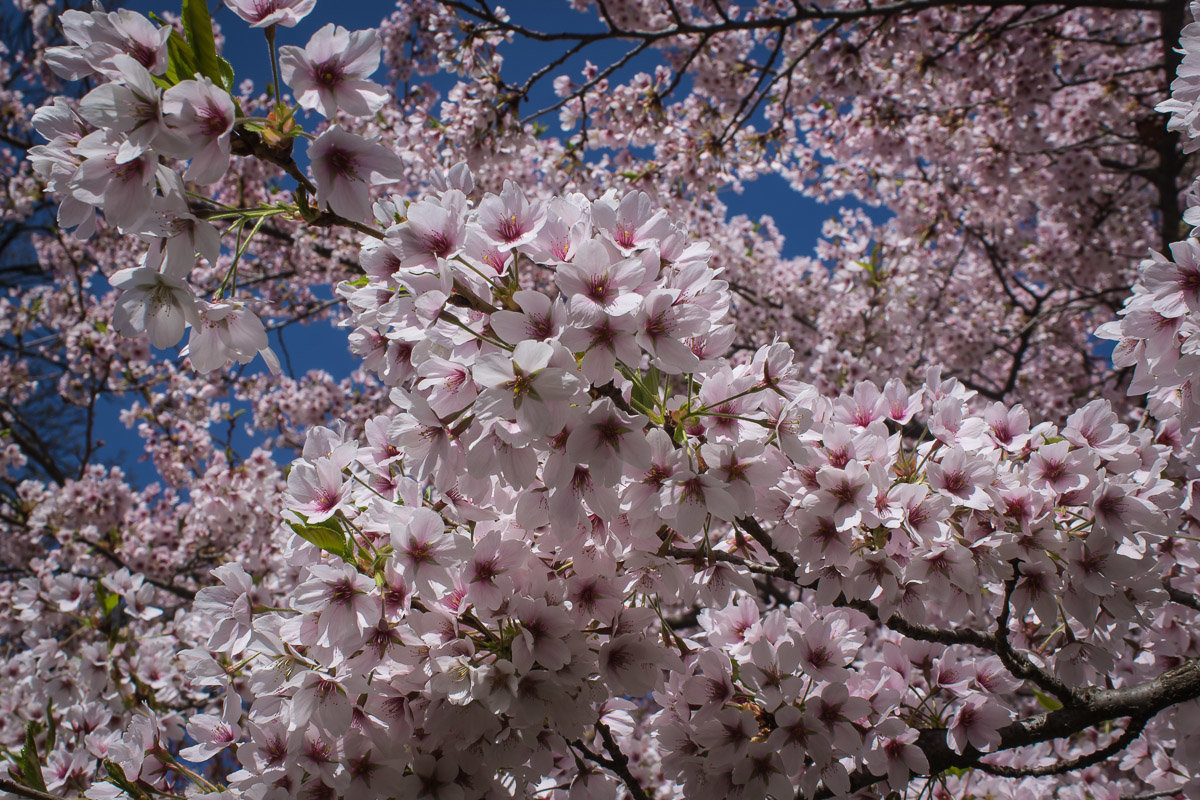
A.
pixel 329 74
pixel 625 234
pixel 213 121
pixel 264 8
pixel 510 229
pixel 438 244
pixel 342 163
pixel 325 500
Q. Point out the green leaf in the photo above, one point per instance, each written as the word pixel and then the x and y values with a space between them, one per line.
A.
pixel 644 395
pixel 108 600
pixel 181 61
pixel 679 434
pixel 226 73
pixel 117 777
pixel 1046 701
pixel 641 400
pixel 28 762
pixel 326 535
pixel 51 726
pixel 197 26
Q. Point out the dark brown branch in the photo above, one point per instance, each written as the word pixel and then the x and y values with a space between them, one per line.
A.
pixel 702 556
pixel 179 591
pixel 1095 706
pixel 785 560
pixel 1132 731
pixel 24 791
pixel 248 143
pixel 803 13
pixel 1018 663
pixel 620 763
pixel 1181 597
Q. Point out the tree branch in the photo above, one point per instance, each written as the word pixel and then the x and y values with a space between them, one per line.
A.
pixel 620 763
pixel 1095 706
pixel 1132 731
pixel 25 791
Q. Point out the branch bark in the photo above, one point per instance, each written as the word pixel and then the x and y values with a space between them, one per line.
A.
pixel 1141 702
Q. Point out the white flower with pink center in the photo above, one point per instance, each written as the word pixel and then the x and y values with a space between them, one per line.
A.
pixel 346 167
pixel 330 72
pixel 261 13
pixel 317 490
pixel 203 114
pixel 213 733
pixel 631 223
pixel 153 303
pixel 509 220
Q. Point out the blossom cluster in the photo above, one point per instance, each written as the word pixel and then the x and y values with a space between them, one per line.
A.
pixel 122 152
pixel 582 550
pixel 1016 231
pixel 495 582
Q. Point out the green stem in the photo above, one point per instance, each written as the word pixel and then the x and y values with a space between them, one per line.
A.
pixel 701 411
pixel 270 32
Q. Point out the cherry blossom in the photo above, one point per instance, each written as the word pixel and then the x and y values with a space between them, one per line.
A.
pixel 618 501
pixel 203 114
pixel 331 71
pixel 159 305
pixel 261 13
pixel 346 166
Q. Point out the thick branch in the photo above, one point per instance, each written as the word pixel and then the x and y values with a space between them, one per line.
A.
pixel 803 13
pixel 1132 731
pixel 25 791
pixel 619 763
pixel 1096 706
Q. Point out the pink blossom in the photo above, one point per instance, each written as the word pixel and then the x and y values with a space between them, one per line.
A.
pixel 522 386
pixel 977 723
pixel 595 283
pixel 228 332
pixel 432 231
pixel 896 754
pixel 261 13
pixel 97 37
pixel 203 114
pixel 154 303
pixel 230 605
pixel 509 220
pixel 132 105
pixel 346 166
pixel 213 733
pixel 609 441
pixel 539 319
pixel 632 222
pixel 115 175
pixel 331 72
pixel 318 490
pixel 342 599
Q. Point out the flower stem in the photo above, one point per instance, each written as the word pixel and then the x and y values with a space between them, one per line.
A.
pixel 270 33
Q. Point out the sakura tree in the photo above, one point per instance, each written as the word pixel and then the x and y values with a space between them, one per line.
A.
pixel 588 520
pixel 1014 144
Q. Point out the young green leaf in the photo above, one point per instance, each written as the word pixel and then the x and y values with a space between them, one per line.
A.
pixel 327 536
pixel 28 761
pixel 181 61
pixel 197 26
